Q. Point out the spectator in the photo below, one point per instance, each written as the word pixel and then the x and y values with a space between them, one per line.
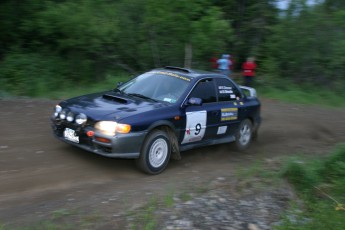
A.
pixel 232 59
pixel 214 64
pixel 224 64
pixel 248 73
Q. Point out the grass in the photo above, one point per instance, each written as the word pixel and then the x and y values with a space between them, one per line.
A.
pixel 309 95
pixel 169 199
pixel 68 89
pixel 284 91
pixel 145 218
pixel 75 90
pixel 63 219
pixel 321 186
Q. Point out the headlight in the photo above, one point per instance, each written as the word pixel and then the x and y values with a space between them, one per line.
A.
pixel 111 128
pixel 58 110
pixel 80 119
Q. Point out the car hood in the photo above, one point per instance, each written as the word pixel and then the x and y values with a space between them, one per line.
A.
pixel 110 105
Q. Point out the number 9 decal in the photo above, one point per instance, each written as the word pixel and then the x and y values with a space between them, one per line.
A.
pixel 197 129
pixel 195 126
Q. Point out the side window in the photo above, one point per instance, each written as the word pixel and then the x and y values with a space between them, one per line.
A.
pixel 227 90
pixel 205 90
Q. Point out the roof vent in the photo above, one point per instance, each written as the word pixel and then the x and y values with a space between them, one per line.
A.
pixel 178 69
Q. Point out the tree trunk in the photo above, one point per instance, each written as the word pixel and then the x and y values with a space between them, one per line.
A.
pixel 188 55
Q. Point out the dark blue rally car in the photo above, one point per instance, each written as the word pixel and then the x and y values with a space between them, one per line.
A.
pixel 158 114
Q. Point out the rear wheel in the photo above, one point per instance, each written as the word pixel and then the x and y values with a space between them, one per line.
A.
pixel 155 153
pixel 244 135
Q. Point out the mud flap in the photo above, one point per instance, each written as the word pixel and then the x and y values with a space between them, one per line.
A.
pixel 175 150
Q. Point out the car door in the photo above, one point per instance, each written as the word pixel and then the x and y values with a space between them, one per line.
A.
pixel 202 120
pixel 230 103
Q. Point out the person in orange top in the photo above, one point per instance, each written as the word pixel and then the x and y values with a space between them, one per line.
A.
pixel 248 73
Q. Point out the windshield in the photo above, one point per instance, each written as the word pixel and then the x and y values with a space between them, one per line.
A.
pixel 161 86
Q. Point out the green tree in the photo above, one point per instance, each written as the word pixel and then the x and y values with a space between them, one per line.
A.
pixel 307 46
pixel 159 33
pixel 89 38
pixel 13 13
pixel 251 21
pixel 79 31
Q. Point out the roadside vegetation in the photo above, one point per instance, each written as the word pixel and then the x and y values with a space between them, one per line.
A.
pixel 285 91
pixel 302 94
pixel 63 219
pixel 52 46
pixel 320 184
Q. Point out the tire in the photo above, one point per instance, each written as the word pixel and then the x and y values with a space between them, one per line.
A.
pixel 155 153
pixel 244 135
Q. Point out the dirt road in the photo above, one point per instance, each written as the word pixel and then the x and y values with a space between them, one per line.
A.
pixel 40 175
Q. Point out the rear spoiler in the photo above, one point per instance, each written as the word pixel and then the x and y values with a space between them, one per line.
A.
pixel 248 91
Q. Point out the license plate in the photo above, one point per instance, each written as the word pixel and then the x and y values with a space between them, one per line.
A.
pixel 69 134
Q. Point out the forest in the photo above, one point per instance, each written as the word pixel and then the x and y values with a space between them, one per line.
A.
pixel 46 45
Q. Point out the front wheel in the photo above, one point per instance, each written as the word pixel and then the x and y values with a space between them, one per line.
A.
pixel 155 153
pixel 244 135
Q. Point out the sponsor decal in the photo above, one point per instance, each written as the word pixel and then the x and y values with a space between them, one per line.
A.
pixel 222 130
pixel 172 75
pixel 225 89
pixel 229 114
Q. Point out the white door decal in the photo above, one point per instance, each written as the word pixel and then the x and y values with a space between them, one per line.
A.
pixel 195 126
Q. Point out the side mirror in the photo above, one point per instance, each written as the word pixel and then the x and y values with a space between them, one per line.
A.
pixel 194 101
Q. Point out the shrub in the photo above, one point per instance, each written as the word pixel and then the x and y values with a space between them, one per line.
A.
pixel 31 74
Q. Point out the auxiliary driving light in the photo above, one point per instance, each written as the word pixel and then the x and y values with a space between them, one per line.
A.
pixel 57 110
pixel 63 114
pixel 70 117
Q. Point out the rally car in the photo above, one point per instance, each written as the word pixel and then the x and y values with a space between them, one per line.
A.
pixel 158 114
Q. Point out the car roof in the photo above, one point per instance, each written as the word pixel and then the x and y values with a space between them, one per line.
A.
pixel 189 73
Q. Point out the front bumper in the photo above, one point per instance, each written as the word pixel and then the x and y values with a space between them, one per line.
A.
pixel 119 146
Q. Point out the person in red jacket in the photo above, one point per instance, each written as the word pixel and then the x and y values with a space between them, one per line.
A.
pixel 248 73
pixel 214 64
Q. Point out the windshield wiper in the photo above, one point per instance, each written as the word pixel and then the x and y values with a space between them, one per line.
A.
pixel 142 96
